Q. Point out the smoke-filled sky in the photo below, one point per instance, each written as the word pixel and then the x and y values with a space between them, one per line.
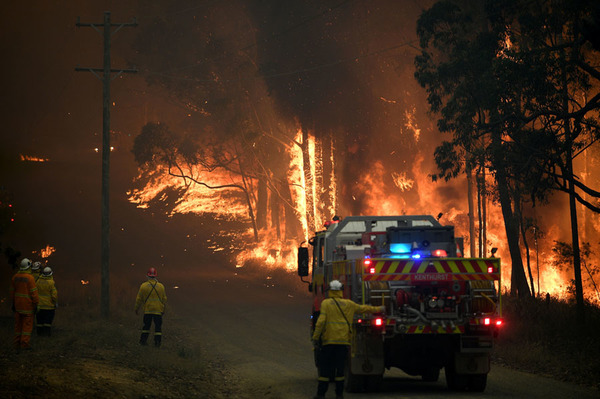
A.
pixel 334 67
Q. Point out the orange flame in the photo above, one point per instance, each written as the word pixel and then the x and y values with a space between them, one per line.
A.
pixel 29 158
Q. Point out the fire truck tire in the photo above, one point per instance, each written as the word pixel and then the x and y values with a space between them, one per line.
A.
pixel 477 382
pixel 373 382
pixel 431 374
pixel 454 381
pixel 353 382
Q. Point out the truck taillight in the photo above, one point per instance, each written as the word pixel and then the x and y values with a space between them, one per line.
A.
pixel 440 253
pixel 499 322
pixel 371 270
pixel 487 321
pixel 378 322
pixel 490 269
pixel 367 262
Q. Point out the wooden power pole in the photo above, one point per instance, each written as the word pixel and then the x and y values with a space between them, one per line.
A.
pixel 105 29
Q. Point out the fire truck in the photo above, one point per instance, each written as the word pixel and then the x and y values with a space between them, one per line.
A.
pixel 442 310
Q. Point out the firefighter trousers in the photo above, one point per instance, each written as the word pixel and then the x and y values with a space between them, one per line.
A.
pixel 23 329
pixel 148 319
pixel 332 362
pixel 43 319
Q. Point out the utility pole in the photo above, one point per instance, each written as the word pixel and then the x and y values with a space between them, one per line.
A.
pixel 106 79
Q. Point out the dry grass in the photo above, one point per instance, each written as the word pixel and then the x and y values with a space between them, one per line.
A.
pixel 544 338
pixel 91 357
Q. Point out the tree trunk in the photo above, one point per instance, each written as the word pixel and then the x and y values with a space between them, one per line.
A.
pixel 527 253
pixel 293 228
pixel 511 223
pixel 262 203
pixel 572 204
pixel 275 218
pixel 308 182
pixel 327 195
pixel 469 172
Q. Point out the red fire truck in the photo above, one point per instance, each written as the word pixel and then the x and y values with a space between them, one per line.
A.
pixel 442 310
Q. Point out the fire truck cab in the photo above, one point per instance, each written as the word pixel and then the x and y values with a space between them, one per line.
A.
pixel 442 310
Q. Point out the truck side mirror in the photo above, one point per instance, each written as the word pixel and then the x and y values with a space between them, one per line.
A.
pixel 303 261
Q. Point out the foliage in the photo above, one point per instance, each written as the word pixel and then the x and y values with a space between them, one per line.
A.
pixel 564 263
pixel 542 336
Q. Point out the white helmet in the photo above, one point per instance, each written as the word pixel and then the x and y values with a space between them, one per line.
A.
pixel 335 285
pixel 36 266
pixel 47 271
pixel 25 264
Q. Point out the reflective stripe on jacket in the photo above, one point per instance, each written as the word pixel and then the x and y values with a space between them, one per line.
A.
pixel 152 297
pixel 23 293
pixel 331 325
pixel 47 292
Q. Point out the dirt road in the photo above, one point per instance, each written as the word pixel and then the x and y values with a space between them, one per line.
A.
pixel 259 325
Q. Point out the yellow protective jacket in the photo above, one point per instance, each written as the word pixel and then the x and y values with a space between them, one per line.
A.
pixel 331 325
pixel 152 297
pixel 23 292
pixel 47 292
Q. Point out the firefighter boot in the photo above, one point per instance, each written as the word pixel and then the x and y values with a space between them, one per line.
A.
pixel 144 338
pixel 157 340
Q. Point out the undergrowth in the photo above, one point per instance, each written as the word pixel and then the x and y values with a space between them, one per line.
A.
pixel 543 336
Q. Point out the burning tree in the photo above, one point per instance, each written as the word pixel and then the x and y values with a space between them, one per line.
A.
pixel 515 81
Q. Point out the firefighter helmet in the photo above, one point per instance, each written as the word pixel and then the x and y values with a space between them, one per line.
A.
pixel 36 266
pixel 151 272
pixel 25 264
pixel 335 285
pixel 47 271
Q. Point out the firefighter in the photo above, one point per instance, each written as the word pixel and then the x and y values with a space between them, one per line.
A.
pixel 48 296
pixel 332 333
pixel 152 298
pixel 24 297
pixel 36 270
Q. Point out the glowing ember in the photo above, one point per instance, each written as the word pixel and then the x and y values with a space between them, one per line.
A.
pixel 45 252
pixel 28 158
pixel 85 282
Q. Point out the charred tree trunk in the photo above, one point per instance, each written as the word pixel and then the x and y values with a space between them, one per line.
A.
pixel 527 253
pixel 479 215
pixel 484 211
pixel 262 203
pixel 275 215
pixel 511 222
pixel 469 171
pixel 293 229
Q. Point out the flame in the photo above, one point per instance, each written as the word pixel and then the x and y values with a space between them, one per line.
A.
pixel 85 282
pixel 45 252
pixel 29 158
pixel 402 182
pixel 381 190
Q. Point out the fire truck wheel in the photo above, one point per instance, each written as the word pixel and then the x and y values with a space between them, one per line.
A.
pixel 431 374
pixel 373 382
pixel 454 381
pixel 354 383
pixel 477 382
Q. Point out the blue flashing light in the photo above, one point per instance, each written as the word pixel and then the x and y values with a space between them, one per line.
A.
pixel 400 248
pixel 416 256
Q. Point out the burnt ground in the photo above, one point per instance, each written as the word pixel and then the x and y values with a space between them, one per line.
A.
pixel 98 359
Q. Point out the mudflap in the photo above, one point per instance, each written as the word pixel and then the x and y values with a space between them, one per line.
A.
pixel 365 366
pixel 366 355
pixel 472 363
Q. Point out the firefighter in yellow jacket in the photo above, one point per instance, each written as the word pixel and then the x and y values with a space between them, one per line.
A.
pixel 334 330
pixel 24 297
pixel 48 302
pixel 152 298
